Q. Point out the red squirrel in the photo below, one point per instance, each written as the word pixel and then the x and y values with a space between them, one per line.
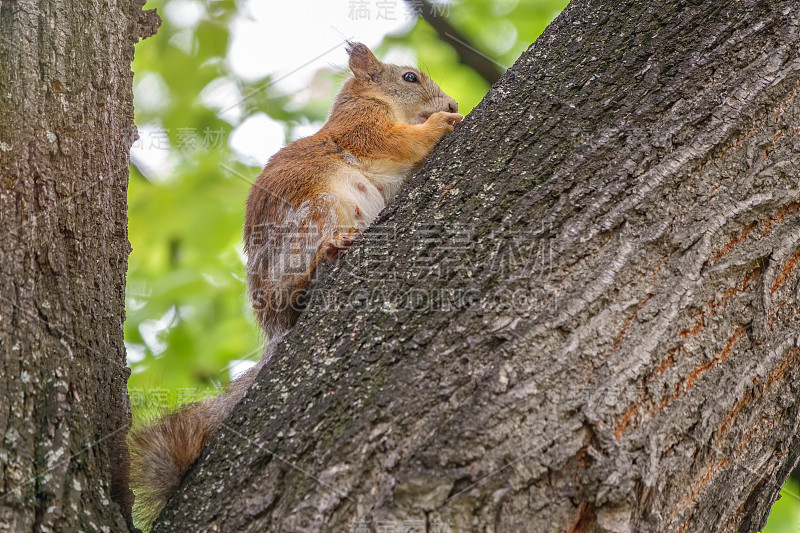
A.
pixel 315 195
pixel 307 206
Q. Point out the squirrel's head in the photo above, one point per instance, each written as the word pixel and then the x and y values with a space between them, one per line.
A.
pixel 412 95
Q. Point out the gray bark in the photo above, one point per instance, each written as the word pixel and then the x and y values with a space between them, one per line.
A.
pixel 66 127
pixel 621 349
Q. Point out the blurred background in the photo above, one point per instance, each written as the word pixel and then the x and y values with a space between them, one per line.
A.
pixel 221 87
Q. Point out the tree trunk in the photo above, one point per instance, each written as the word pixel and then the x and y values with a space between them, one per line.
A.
pixel 581 315
pixel 66 127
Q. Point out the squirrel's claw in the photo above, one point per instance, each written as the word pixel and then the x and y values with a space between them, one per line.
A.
pixel 335 246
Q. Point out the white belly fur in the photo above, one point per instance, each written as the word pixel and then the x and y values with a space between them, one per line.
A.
pixel 361 194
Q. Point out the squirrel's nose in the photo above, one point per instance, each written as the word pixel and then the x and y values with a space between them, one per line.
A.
pixel 453 106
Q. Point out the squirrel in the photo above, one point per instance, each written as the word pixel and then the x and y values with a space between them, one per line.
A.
pixel 307 206
pixel 316 195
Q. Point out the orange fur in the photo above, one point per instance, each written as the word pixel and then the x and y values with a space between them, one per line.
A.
pixel 161 455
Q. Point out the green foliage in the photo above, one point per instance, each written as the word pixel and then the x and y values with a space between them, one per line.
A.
pixel 785 515
pixel 185 229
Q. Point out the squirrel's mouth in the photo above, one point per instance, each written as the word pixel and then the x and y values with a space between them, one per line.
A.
pixel 424 116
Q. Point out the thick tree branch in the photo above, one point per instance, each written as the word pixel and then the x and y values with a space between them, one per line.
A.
pixel 582 315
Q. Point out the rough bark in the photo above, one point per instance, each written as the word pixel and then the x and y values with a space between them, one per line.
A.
pixel 66 127
pixel 621 348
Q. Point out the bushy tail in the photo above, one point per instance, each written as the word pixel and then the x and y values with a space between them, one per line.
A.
pixel 162 451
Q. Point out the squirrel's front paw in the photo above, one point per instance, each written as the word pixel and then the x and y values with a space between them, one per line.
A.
pixel 446 120
pixel 335 246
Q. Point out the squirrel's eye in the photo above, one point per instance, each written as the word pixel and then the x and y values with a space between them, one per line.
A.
pixel 410 77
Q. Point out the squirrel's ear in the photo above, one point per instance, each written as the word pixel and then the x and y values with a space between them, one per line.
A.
pixel 363 62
